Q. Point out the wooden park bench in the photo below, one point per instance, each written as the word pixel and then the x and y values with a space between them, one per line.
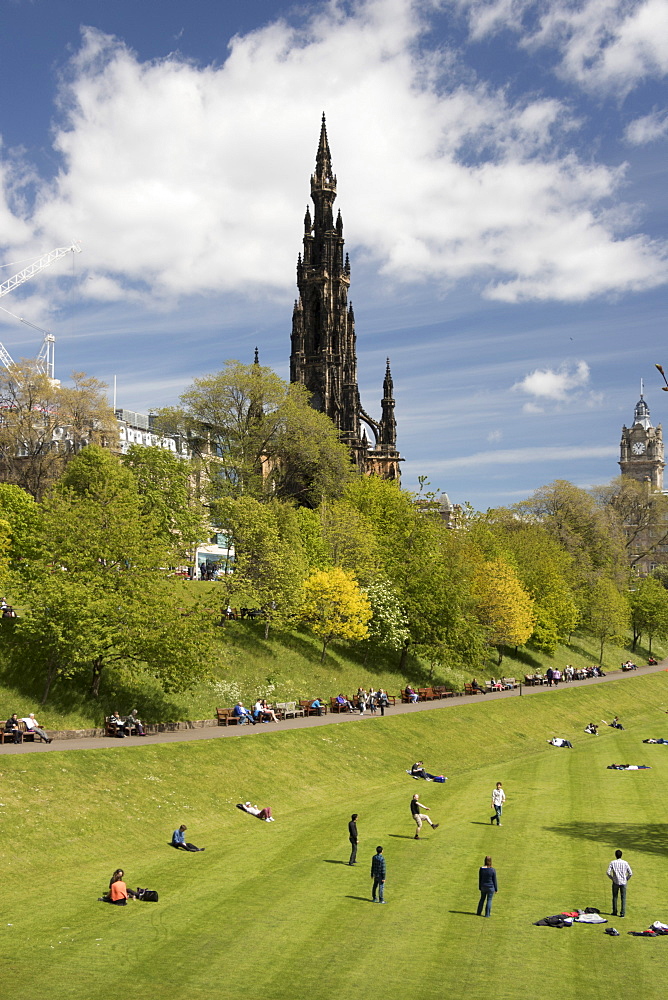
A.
pixel 309 710
pixel 334 706
pixel 226 717
pixel 469 689
pixel 427 694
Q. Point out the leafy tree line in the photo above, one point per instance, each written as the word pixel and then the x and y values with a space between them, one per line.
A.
pixel 87 557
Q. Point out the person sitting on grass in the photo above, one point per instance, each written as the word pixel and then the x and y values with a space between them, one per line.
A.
pixel 118 891
pixel 615 724
pixel 592 728
pixel 179 840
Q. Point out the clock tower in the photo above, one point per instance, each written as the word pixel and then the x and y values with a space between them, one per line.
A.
pixel 641 449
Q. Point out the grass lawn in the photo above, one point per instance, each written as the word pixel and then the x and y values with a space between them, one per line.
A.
pixel 269 910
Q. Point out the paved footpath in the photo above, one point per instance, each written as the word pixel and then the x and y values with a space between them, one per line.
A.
pixel 223 732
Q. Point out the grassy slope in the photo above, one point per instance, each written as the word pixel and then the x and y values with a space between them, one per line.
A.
pixel 276 897
pixel 284 668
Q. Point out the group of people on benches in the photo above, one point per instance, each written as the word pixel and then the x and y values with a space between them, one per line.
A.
pixel 13 728
pixel 122 727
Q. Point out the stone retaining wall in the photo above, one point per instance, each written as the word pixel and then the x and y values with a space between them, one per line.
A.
pixel 150 727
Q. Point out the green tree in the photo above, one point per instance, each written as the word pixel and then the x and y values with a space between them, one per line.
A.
pixel 333 607
pixel 259 436
pixel 606 612
pixel 504 608
pixel 165 484
pixel 44 425
pixel 649 610
pixel 98 595
pixel 588 531
pixel 269 567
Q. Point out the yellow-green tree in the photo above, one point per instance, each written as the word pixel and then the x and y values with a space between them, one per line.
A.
pixel 503 607
pixel 334 607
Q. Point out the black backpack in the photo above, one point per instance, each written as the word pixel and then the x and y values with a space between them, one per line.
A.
pixel 148 895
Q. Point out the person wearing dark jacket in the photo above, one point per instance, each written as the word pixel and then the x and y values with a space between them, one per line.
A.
pixel 13 729
pixel 352 837
pixel 488 886
pixel 378 875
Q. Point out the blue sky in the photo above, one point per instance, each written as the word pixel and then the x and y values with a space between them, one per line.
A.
pixel 501 175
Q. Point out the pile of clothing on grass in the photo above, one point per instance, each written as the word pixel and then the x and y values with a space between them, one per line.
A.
pixel 629 767
pixel 657 929
pixel 590 915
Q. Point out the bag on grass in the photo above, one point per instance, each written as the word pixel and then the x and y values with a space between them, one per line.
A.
pixel 147 895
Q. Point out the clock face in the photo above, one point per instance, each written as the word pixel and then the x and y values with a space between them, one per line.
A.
pixel 638 448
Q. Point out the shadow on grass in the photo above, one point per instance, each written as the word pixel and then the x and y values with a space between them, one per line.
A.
pixel 465 913
pixel 402 836
pixel 479 822
pixel 362 899
pixel 330 861
pixel 650 838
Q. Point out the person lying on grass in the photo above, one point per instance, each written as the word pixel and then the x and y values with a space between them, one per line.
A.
pixel 629 767
pixel 655 741
pixel 557 741
pixel 179 840
pixel 264 814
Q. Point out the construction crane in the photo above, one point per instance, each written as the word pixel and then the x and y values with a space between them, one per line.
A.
pixel 45 360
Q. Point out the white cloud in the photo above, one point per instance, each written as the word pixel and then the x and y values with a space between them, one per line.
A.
pixel 554 384
pixel 523 456
pixel 568 384
pixel 494 436
pixel 648 128
pixel 606 45
pixel 182 179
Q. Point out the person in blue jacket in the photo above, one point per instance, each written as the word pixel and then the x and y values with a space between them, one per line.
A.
pixel 488 886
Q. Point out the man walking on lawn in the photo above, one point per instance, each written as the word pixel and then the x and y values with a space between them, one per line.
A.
pixel 620 873
pixel 378 875
pixel 418 816
pixel 498 798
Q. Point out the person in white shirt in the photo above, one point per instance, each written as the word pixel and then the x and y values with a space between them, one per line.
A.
pixel 33 726
pixel 498 798
pixel 619 872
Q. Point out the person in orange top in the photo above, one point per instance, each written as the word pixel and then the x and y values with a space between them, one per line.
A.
pixel 118 891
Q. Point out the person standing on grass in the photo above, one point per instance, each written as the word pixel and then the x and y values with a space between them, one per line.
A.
pixel 619 871
pixel 418 816
pixel 352 837
pixel 498 798
pixel 487 885
pixel 378 875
